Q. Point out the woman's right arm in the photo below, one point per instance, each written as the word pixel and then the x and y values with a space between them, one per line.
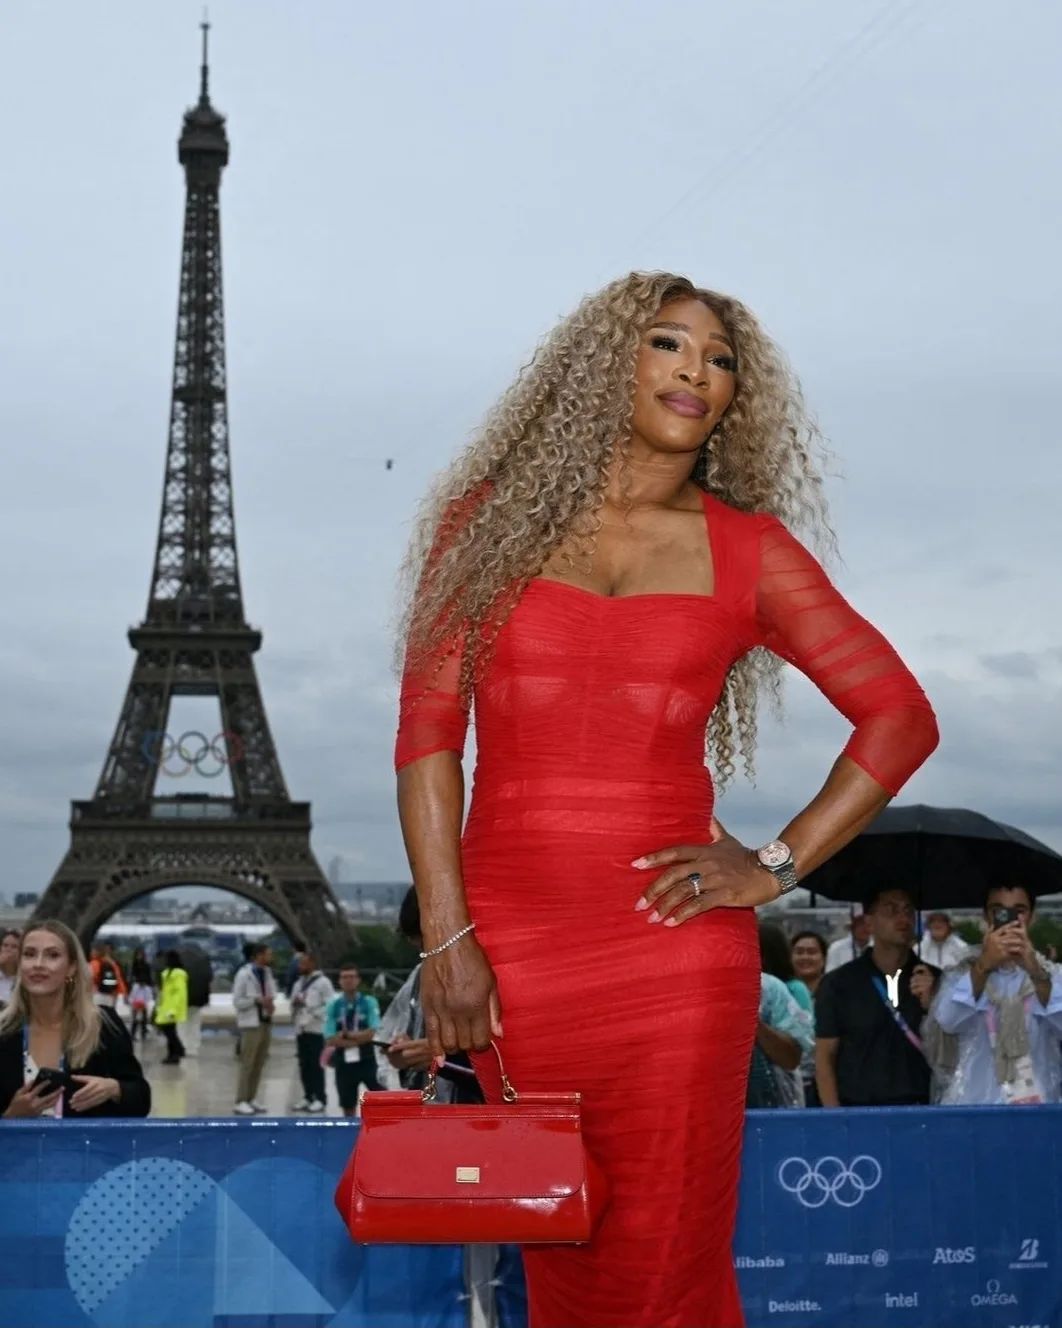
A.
pixel 457 990
pixel 457 994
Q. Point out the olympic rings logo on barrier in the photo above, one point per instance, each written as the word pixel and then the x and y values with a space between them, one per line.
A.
pixel 193 750
pixel 829 1178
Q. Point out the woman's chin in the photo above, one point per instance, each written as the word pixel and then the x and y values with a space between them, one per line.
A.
pixel 40 988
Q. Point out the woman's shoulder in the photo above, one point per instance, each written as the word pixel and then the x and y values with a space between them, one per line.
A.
pixel 737 521
pixel 113 1033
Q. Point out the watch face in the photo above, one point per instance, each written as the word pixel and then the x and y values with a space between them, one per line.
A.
pixel 775 854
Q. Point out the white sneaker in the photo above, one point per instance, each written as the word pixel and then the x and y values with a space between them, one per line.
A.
pixel 243 1109
pixel 303 1104
pixel 257 1106
pixel 316 1106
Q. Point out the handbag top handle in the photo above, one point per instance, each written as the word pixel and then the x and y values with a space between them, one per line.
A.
pixel 509 1094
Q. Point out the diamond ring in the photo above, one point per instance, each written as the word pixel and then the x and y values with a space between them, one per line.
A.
pixel 694 879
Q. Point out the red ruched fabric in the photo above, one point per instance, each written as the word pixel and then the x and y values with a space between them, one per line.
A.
pixel 590 734
pixel 806 621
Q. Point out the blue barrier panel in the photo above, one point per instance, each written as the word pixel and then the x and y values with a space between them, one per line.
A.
pixel 942 1218
pixel 949 1217
pixel 200 1224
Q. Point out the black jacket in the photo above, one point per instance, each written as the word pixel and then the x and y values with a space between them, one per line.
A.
pixel 112 1059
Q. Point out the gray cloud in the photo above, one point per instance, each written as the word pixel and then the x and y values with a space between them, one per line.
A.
pixel 1015 664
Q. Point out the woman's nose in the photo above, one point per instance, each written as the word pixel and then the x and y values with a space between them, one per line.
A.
pixel 692 375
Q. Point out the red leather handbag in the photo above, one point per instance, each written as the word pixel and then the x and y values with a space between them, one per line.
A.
pixel 447 1174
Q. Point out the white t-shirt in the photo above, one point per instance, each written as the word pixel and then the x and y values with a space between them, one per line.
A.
pixel 30 1069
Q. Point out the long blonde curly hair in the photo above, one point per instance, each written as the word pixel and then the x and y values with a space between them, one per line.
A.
pixel 535 473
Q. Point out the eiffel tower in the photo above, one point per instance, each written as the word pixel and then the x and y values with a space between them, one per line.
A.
pixel 195 641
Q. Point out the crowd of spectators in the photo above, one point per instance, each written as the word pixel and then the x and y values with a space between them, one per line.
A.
pixel 901 1020
pixel 877 1017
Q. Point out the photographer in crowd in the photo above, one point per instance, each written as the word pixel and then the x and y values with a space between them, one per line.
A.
pixel 994 1028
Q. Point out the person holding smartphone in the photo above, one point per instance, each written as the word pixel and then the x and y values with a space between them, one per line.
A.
pixel 996 1021
pixel 60 1053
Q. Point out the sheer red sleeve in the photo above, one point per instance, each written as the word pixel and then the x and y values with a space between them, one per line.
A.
pixel 431 715
pixel 803 619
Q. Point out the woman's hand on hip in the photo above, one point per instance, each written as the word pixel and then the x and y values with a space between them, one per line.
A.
pixel 459 998
pixel 728 875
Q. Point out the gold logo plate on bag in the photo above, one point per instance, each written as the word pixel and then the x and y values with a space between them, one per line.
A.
pixel 468 1175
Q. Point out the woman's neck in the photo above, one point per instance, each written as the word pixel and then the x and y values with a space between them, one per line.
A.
pixel 647 478
pixel 47 1011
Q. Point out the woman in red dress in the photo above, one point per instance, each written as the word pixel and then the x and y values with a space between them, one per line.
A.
pixel 607 578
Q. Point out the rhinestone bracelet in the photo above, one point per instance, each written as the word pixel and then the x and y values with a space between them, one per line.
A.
pixel 427 954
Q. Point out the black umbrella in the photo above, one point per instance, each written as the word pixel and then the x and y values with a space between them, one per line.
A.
pixel 946 856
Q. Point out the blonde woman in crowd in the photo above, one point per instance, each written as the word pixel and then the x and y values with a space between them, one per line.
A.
pixel 60 1053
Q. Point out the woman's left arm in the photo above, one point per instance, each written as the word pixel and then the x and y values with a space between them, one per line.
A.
pixel 805 620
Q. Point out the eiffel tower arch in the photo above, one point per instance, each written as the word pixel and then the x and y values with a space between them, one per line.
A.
pixel 195 640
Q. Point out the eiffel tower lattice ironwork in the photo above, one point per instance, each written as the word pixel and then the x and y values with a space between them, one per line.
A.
pixel 195 641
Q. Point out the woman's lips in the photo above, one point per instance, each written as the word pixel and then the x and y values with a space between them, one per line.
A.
pixel 684 403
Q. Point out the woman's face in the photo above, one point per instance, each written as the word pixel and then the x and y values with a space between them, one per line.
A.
pixel 684 377
pixel 44 967
pixel 808 959
pixel 9 954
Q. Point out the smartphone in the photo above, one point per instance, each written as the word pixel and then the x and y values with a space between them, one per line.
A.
pixel 385 1045
pixel 1002 916
pixel 51 1079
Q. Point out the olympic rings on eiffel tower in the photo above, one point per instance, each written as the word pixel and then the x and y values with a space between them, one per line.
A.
pixel 193 750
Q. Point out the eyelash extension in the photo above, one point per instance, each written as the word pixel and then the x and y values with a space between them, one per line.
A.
pixel 726 362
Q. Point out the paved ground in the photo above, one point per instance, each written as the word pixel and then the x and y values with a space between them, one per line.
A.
pixel 204 1085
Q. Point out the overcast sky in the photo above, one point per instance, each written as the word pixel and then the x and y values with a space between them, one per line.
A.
pixel 415 194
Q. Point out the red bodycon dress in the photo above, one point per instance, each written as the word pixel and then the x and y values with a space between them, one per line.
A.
pixel 590 726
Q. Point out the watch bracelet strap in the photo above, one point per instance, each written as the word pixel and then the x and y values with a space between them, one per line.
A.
pixel 785 875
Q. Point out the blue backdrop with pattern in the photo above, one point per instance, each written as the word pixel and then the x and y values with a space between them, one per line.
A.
pixel 915 1217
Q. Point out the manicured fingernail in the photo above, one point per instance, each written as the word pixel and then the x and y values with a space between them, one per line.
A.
pixel 670 922
pixel 438 1063
pixel 642 903
pixel 640 862
pixel 653 917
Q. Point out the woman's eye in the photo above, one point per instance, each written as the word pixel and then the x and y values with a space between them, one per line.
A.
pixel 726 362
pixel 664 343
